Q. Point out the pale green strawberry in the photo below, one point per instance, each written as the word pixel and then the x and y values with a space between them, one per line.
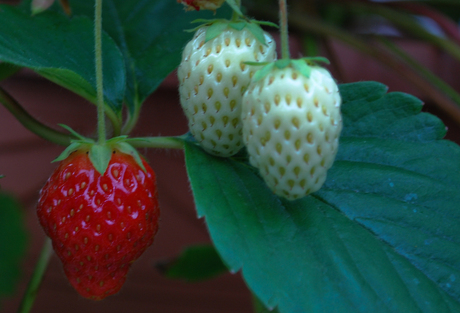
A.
pixel 213 78
pixel 291 127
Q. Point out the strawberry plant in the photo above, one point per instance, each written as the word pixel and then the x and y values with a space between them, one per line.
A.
pixel 326 197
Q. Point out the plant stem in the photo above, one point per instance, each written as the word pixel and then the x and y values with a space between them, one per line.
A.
pixel 284 30
pixel 36 279
pixel 235 15
pixel 99 73
pixel 29 122
pixel 157 142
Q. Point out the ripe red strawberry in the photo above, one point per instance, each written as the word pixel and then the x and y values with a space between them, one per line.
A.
pixel 99 224
pixel 197 5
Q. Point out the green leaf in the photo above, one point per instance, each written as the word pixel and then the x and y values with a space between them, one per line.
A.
pixel 259 307
pixel 62 50
pixel 195 263
pixel 13 241
pixel 381 235
pixel 150 35
pixel 7 70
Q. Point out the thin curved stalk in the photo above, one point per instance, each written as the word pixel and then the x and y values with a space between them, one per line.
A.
pixel 407 23
pixel 37 277
pixel 29 122
pixel 449 27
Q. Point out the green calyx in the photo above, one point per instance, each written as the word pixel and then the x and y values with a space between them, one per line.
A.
pixel 217 26
pixel 303 66
pixel 100 154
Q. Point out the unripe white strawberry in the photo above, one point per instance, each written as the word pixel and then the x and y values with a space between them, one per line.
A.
pixel 213 78
pixel 291 127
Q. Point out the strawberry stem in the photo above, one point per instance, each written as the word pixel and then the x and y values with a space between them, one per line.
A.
pixel 99 73
pixel 284 30
pixel 235 15
pixel 32 124
pixel 40 268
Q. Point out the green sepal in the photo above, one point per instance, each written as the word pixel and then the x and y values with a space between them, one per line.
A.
pixel 263 72
pixel 314 60
pixel 282 63
pixel 204 21
pixel 75 133
pixel 100 156
pixel 126 148
pixel 265 23
pixel 215 30
pixel 256 63
pixel 257 31
pixel 1 176
pixel 239 25
pixel 302 67
pixel 234 6
pixel 217 26
pixel 75 145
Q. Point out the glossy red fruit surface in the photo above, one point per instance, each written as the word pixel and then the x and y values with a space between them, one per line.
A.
pixel 99 224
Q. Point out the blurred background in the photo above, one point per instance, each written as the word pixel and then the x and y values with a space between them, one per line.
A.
pixel 411 46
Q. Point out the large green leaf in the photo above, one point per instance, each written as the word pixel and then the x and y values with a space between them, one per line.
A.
pixel 195 263
pixel 381 235
pixel 150 35
pixel 12 244
pixel 62 50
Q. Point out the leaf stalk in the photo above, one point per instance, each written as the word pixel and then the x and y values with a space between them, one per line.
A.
pixel 37 277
